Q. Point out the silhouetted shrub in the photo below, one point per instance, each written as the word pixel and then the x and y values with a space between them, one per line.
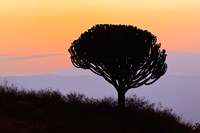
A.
pixel 196 127
pixel 48 111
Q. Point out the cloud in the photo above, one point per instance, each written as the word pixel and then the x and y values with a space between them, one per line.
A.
pixel 10 59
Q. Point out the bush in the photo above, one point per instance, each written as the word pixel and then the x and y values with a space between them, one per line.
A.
pixel 51 112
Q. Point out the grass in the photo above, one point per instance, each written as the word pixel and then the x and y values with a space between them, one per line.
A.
pixel 47 111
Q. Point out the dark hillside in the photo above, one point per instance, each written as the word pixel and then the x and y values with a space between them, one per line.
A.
pixel 48 111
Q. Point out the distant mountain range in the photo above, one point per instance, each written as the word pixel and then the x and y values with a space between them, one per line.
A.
pixel 181 93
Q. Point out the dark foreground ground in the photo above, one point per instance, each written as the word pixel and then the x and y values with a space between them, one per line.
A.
pixel 50 112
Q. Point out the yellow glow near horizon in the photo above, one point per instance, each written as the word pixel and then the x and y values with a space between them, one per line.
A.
pixel 31 27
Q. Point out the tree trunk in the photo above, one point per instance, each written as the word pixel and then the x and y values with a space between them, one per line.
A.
pixel 121 100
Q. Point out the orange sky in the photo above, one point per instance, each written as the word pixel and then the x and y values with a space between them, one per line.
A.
pixel 35 34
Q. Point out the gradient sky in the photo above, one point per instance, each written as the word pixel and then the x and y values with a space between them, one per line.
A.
pixel 35 34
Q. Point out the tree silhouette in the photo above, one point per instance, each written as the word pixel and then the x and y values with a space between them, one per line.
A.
pixel 125 56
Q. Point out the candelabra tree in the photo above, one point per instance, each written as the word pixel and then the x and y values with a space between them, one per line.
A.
pixel 125 56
